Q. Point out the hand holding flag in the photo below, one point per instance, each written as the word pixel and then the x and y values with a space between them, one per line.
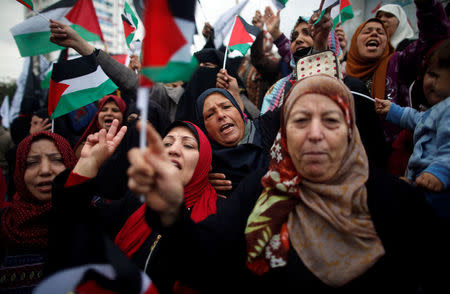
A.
pixel 320 26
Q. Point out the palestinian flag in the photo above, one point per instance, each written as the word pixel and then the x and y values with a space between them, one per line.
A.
pixel 27 3
pixel 76 83
pixel 324 5
pixel 169 30
pixel 130 23
pixel 32 35
pixel 341 13
pixel 242 36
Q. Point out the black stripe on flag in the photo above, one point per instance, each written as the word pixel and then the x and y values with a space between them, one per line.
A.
pixel 252 30
pixel 125 19
pixel 69 69
pixel 184 9
pixel 60 4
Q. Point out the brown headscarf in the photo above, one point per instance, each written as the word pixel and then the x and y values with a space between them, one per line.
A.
pixel 364 69
pixel 25 222
pixel 328 223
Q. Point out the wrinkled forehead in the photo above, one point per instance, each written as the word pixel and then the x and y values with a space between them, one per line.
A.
pixel 372 25
pixel 320 84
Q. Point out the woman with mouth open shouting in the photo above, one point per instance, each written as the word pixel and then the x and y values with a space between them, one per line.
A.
pixel 24 223
pixel 110 107
pixel 388 75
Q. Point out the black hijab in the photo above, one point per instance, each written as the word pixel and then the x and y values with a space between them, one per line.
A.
pixel 238 161
pixel 202 79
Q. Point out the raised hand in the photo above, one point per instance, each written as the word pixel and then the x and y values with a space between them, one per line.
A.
pixel 38 125
pixel 98 148
pixel 343 40
pixel 63 35
pixel 257 20
pixel 152 174
pixel 272 21
pixel 321 30
pixel 229 83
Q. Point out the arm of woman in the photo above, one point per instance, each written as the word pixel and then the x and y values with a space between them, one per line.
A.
pixel 125 78
pixel 266 66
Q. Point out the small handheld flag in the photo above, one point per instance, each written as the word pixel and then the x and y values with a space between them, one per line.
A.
pixel 130 23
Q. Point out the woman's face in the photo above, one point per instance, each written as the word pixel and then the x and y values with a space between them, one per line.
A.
pixel 222 120
pixel 389 20
pixel 108 113
pixel 44 162
pixel 436 83
pixel 317 137
pixel 371 41
pixel 301 37
pixel 182 147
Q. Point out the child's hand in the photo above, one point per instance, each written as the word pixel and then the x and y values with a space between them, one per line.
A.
pixel 382 106
pixel 430 182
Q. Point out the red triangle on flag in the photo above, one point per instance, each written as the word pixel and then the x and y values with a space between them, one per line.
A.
pixel 83 14
pixel 128 28
pixel 163 38
pixel 55 91
pixel 239 35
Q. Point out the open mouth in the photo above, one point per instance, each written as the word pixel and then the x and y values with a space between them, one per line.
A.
pixel 44 186
pixel 372 44
pixel 226 128
pixel 108 121
pixel 176 163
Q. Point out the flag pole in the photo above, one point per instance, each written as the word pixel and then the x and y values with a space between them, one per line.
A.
pixel 203 12
pixel 226 49
pixel 142 105
pixel 53 125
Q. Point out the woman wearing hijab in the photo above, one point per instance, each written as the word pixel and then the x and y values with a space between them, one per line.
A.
pixel 24 223
pixel 397 25
pixel 239 145
pixel 388 75
pixel 110 107
pixel 189 154
pixel 317 221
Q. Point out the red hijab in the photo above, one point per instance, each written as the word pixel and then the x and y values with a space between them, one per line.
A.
pixel 199 196
pixel 93 126
pixel 25 222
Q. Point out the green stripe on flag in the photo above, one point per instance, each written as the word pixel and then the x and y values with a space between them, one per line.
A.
pixel 75 100
pixel 129 39
pixel 243 48
pixel 39 43
pixel 346 14
pixel 45 83
pixel 172 72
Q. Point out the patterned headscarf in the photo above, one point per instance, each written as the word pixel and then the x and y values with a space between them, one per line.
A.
pixel 363 69
pixel 25 222
pixel 326 222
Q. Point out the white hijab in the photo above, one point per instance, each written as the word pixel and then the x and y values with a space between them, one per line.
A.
pixel 404 30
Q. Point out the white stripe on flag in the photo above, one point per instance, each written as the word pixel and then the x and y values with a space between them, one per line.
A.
pixel 92 80
pixel 187 29
pixel 37 24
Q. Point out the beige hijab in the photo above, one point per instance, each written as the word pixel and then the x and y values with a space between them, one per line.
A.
pixel 328 224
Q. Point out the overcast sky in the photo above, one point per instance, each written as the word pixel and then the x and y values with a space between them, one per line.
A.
pixel 11 13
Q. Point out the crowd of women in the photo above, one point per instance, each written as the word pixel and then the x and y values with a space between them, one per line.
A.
pixel 308 187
